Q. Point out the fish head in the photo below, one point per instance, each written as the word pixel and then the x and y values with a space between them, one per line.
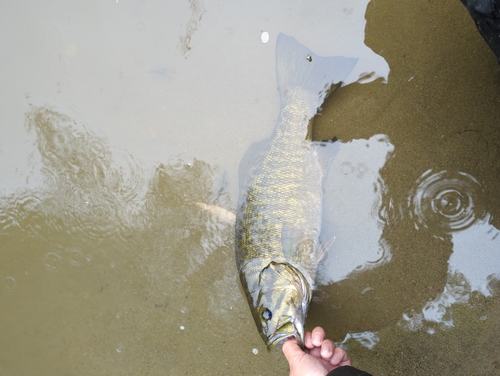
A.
pixel 279 303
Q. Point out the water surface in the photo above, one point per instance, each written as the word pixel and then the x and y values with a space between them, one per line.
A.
pixel 118 117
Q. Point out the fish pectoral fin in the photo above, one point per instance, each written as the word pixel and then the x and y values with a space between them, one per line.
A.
pixel 288 241
pixel 221 213
pixel 294 241
pixel 324 248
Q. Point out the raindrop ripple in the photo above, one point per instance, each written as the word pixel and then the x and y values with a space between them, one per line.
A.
pixel 446 201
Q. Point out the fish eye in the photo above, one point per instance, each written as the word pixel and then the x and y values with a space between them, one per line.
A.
pixel 266 314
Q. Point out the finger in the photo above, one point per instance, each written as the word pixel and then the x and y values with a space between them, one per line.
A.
pixel 316 352
pixel 340 357
pixel 318 335
pixel 292 351
pixel 327 349
pixel 308 340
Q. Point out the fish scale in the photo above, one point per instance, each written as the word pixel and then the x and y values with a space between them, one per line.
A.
pixel 278 219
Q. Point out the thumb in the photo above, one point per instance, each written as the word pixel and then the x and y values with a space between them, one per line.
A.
pixel 292 351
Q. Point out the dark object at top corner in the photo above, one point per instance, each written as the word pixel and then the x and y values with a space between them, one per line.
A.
pixel 486 14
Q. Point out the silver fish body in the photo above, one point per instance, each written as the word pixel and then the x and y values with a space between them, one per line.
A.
pixel 278 220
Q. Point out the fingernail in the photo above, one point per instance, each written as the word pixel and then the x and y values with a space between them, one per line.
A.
pixel 335 358
pixel 317 338
pixel 326 350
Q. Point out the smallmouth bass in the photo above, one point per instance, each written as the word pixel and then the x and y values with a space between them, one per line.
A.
pixel 278 219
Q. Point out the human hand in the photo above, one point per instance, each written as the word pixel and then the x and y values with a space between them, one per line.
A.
pixel 319 357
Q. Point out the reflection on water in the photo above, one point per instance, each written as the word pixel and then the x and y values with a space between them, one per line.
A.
pixel 450 207
pixel 454 203
pixel 365 339
pixel 438 312
pixel 422 284
pixel 476 255
pixel 353 190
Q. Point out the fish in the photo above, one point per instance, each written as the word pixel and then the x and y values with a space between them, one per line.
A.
pixel 279 210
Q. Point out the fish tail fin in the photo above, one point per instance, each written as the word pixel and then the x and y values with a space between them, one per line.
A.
pixel 296 65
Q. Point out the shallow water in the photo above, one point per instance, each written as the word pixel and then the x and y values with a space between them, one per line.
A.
pixel 119 117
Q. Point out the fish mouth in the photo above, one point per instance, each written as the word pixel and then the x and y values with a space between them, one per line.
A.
pixel 289 329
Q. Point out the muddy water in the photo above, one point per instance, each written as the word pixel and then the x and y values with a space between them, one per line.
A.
pixel 117 118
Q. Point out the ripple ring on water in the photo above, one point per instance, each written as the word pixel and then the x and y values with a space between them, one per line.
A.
pixel 446 201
